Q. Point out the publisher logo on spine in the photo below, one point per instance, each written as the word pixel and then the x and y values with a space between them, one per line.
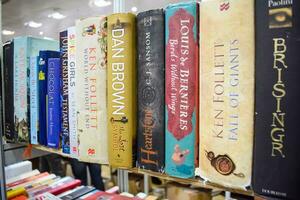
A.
pixel 224 5
pixel 89 30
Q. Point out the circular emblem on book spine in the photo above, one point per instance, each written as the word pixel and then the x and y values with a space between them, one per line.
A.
pixel 223 164
pixel 148 95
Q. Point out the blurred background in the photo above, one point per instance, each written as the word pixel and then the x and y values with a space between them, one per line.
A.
pixel 46 18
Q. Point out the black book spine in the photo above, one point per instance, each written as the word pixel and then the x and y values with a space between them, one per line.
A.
pixel 8 62
pixel 276 150
pixel 65 134
pixel 151 93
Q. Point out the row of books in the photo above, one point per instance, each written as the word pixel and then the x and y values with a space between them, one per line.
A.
pixel 34 185
pixel 150 90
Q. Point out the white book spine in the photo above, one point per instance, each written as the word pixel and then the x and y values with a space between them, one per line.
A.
pixel 72 92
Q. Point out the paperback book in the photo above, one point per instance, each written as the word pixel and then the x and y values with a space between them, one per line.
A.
pixel 8 70
pixel 65 130
pixel 43 94
pixel 72 92
pixel 24 48
pixel 34 100
pixel 53 103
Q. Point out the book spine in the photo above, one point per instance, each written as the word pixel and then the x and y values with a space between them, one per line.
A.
pixel 34 99
pixel 65 142
pixel 277 93
pixel 91 61
pixel 8 55
pixel 53 102
pixel 72 91
pixel 226 92
pixel 121 89
pixel 181 88
pixel 42 137
pixel 151 94
pixel 21 67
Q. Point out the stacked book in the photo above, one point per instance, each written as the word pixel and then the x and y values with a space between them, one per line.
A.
pixel 34 185
pixel 210 85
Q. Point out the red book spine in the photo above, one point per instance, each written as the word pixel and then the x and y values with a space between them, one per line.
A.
pixel 27 180
pixel 65 187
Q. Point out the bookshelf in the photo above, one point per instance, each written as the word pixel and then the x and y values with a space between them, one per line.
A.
pixel 123 175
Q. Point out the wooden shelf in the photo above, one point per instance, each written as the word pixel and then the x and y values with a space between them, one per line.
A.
pixel 197 182
pixel 50 150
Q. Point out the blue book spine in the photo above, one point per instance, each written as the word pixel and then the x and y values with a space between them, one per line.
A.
pixel 53 102
pixel 65 130
pixel 43 69
pixel 34 109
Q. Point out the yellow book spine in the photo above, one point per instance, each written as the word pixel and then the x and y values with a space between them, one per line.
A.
pixel 16 192
pixel 121 84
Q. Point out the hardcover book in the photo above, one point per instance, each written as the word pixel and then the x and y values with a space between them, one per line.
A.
pixel 276 149
pixel 8 70
pixel 91 61
pixel 24 48
pixel 65 139
pixel 43 71
pixel 53 103
pixel 72 92
pixel 226 91
pixel 121 86
pixel 151 94
pixel 34 99
pixel 182 44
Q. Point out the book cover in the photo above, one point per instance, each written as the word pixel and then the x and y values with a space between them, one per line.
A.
pixel 65 130
pixel 53 103
pixel 72 92
pixel 182 44
pixel 122 92
pixel 226 91
pixel 24 48
pixel 8 70
pixel 151 93
pixel 276 144
pixel 34 99
pixel 43 70
pixel 91 103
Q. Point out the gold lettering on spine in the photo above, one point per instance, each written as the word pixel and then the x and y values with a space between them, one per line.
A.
pixel 278 117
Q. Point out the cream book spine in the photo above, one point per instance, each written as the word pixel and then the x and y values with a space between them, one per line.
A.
pixel 91 89
pixel 226 91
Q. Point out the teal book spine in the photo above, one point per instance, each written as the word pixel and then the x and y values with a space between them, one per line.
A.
pixel 181 91
pixel 21 111
pixel 25 47
pixel 34 99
